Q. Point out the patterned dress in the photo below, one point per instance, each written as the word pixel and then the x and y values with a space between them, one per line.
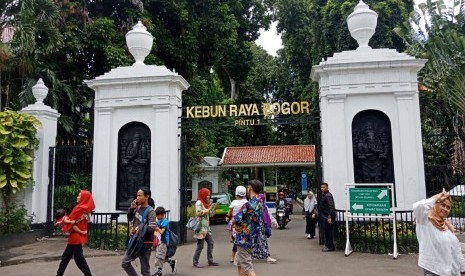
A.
pixel 261 250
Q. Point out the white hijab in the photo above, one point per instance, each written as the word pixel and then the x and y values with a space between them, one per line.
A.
pixel 309 203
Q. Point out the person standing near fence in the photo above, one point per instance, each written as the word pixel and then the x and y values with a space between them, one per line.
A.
pixel 327 216
pixel 78 234
pixel 440 252
pixel 310 213
pixel 203 211
pixel 136 210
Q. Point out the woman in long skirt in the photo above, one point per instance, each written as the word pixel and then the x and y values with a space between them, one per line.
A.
pixel 261 250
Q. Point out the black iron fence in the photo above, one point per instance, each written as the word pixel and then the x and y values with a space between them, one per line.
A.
pixel 110 231
pixel 70 170
pixel 441 170
pixel 376 235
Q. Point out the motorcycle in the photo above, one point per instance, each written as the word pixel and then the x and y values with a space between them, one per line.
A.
pixel 281 217
pixel 289 206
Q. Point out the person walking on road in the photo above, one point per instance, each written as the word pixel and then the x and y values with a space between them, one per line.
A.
pixel 262 250
pixel 234 207
pixel 162 228
pixel 247 224
pixel 78 234
pixel 203 211
pixel 327 217
pixel 439 252
pixel 136 210
pixel 310 212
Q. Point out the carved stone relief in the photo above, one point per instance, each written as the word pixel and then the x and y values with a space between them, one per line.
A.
pixel 134 150
pixel 372 148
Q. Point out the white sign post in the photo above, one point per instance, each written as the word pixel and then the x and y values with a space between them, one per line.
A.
pixel 372 199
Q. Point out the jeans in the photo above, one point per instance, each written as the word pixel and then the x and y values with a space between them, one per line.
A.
pixel 144 258
pixel 198 250
pixel 73 250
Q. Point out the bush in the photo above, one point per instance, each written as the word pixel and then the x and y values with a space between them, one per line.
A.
pixel 112 236
pixel 377 236
pixel 14 219
pixel 65 197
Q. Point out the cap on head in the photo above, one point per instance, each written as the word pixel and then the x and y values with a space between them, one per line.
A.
pixel 240 191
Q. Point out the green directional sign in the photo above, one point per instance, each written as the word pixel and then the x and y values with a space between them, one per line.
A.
pixel 370 200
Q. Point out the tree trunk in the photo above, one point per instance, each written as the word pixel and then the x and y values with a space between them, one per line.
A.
pixel 234 93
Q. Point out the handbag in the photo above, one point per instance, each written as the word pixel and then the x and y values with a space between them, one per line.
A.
pixel 193 224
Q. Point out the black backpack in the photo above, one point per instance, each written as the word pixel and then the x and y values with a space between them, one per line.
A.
pixel 136 241
pixel 173 244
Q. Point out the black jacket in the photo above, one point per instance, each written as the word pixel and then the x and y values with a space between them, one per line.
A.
pixel 327 207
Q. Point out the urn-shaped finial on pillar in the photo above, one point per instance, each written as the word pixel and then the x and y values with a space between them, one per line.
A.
pixel 40 91
pixel 139 42
pixel 362 24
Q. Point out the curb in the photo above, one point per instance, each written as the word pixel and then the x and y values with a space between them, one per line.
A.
pixel 53 258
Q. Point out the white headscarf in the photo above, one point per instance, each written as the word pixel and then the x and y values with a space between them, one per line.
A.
pixel 309 203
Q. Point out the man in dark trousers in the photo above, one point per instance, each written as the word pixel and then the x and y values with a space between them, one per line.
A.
pixel 327 216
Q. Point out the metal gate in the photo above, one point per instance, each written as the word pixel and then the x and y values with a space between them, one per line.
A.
pixel 183 190
pixel 70 170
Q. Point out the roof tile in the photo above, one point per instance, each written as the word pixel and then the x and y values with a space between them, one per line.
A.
pixel 269 154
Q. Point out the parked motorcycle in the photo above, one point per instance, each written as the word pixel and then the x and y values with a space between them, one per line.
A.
pixel 281 217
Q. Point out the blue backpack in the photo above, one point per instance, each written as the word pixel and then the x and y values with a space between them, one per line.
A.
pixel 136 241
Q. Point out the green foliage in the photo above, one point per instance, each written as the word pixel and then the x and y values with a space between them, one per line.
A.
pixel 65 197
pixel 14 219
pixel 17 142
pixel 377 236
pixel 113 238
pixel 458 207
pixel 441 41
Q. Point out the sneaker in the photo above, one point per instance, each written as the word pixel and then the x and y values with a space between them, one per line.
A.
pixel 213 264
pixel 173 266
pixel 309 236
pixel 197 265
pixel 271 260
pixel 158 273
pixel 327 249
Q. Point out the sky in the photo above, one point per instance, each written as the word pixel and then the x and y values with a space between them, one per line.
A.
pixel 271 41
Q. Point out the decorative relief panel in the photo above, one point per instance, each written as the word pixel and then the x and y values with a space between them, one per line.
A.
pixel 372 148
pixel 134 151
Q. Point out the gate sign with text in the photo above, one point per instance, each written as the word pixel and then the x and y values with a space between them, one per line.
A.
pixel 370 200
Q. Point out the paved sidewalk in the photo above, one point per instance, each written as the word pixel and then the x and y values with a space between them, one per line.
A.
pixel 44 250
pixel 296 256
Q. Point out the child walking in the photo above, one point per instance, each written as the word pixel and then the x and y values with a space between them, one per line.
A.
pixel 162 227
pixel 234 208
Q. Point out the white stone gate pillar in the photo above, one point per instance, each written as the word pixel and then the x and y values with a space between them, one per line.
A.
pixel 382 81
pixel 36 196
pixel 149 96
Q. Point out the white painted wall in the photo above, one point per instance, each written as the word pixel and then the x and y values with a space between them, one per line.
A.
pixel 364 79
pixel 35 197
pixel 212 174
pixel 140 93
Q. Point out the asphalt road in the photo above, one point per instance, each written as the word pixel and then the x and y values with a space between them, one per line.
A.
pixel 296 256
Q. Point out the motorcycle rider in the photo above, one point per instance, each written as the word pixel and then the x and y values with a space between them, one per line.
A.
pixel 281 203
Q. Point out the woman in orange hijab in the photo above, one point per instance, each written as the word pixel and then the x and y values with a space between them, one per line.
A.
pixel 203 211
pixel 78 236
pixel 440 252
